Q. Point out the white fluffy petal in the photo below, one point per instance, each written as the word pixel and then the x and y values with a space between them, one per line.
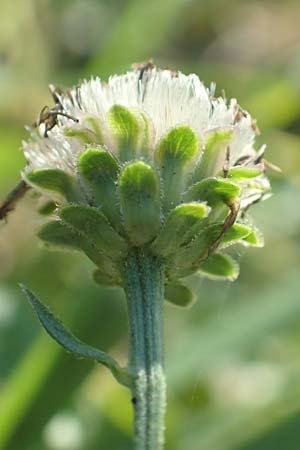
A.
pixel 168 99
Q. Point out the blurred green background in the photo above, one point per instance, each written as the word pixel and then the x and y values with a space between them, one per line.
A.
pixel 233 361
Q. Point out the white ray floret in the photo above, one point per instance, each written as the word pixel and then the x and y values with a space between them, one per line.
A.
pixel 166 98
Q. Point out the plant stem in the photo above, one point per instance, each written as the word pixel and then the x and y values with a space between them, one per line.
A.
pixel 144 287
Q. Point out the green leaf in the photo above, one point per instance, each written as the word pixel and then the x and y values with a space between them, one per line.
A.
pixel 94 225
pixel 100 169
pixel 214 154
pixel 68 341
pixel 182 224
pixel 140 202
pixel 179 295
pixel 220 267
pixel 55 180
pixel 244 173
pixel 214 191
pixel 178 148
pixel 126 128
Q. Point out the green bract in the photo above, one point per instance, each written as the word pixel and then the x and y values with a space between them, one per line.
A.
pixel 140 202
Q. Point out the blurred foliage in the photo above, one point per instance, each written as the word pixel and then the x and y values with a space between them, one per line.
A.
pixel 233 361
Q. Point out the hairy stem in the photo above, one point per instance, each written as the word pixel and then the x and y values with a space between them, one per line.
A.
pixel 144 287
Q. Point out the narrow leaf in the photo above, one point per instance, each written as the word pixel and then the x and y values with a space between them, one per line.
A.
pixel 68 341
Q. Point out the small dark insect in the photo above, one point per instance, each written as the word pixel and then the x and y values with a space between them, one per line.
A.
pixel 48 116
pixel 12 199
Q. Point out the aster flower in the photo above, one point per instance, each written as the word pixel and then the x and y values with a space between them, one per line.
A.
pixel 193 145
pixel 151 176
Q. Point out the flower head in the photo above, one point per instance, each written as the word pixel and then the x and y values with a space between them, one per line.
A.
pixel 151 158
